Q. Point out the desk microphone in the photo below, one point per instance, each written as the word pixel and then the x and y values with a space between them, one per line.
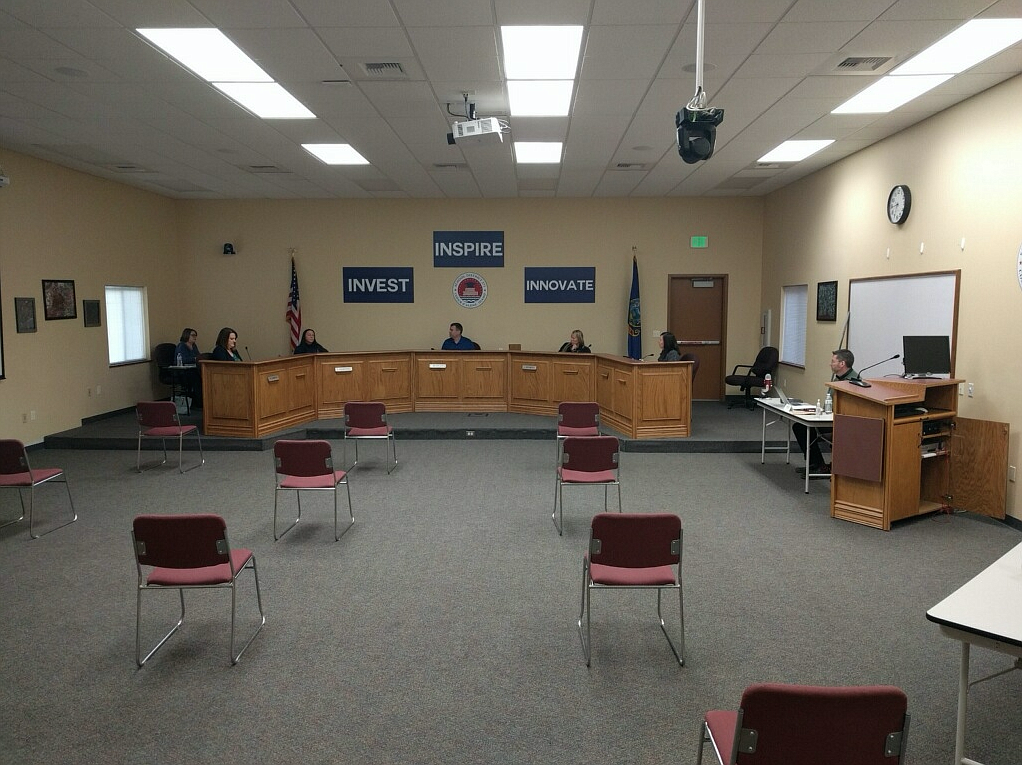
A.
pixel 895 356
pixel 248 352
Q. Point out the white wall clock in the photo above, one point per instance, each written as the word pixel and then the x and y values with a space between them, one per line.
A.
pixel 899 203
pixel 1019 265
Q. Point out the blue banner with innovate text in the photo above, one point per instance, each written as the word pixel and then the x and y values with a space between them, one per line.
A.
pixel 560 285
pixel 379 284
pixel 468 249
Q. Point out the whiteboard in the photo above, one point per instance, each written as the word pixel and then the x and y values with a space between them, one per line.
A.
pixel 884 309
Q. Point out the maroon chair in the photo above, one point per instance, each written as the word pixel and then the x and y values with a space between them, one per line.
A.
pixel 307 466
pixel 158 419
pixel 633 551
pixel 576 418
pixel 188 552
pixel 807 725
pixel 367 420
pixel 586 461
pixel 16 472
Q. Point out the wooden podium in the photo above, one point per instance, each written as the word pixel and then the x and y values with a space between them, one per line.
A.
pixel 891 449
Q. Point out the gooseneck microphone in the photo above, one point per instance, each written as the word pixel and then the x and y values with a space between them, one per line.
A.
pixel 895 356
pixel 248 352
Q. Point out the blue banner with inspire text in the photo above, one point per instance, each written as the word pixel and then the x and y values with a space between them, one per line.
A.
pixel 560 285
pixel 379 284
pixel 468 249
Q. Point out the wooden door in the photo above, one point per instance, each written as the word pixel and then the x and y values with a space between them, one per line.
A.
pixel 979 457
pixel 696 313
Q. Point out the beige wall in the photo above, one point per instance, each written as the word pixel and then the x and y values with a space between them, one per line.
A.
pixel 59 224
pixel 249 290
pixel 963 169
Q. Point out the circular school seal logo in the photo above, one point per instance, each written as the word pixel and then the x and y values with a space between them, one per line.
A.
pixel 469 290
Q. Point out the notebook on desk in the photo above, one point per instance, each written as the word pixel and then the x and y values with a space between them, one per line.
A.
pixel 794 404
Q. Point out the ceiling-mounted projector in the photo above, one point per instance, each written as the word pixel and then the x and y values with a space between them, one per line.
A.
pixel 484 131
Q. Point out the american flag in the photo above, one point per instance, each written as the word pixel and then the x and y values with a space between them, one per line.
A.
pixel 294 309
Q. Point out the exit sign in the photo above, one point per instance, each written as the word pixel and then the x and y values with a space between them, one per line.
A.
pixel 699 242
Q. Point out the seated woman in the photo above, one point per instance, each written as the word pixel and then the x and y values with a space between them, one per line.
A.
pixel 668 347
pixel 575 344
pixel 187 354
pixel 309 344
pixel 226 346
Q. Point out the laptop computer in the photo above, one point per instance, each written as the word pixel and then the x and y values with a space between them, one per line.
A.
pixel 794 404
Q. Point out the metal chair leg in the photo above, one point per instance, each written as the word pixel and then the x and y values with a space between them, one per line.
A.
pixel 180 453
pixel 21 499
pixel 139 660
pixel 149 466
pixel 351 512
pixel 558 491
pixel 236 657
pixel 680 656
pixel 276 495
pixel 586 636
pixel 31 510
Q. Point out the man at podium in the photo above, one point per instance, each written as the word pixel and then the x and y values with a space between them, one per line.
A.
pixel 841 362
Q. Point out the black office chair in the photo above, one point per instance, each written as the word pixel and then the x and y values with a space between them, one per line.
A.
pixel 163 355
pixel 695 363
pixel 766 363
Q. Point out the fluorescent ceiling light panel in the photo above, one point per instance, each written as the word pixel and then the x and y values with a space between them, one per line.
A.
pixel 971 43
pixel 266 99
pixel 335 153
pixel 539 98
pixel 538 152
pixel 888 93
pixel 208 53
pixel 795 151
pixel 541 53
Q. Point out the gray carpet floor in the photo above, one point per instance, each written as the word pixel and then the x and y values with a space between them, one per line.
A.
pixel 441 628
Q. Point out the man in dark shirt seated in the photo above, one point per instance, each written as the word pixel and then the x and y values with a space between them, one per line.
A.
pixel 841 362
pixel 457 341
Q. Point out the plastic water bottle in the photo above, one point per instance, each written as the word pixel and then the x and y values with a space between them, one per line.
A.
pixel 768 384
pixel 180 361
pixel 828 404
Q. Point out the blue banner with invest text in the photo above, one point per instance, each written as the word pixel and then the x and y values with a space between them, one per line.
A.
pixel 379 284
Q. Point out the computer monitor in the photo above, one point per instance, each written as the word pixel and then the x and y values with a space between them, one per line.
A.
pixel 926 355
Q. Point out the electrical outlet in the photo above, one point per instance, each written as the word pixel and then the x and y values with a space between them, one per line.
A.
pixel 31 415
pixel 1011 473
pixel 961 389
pixel 972 389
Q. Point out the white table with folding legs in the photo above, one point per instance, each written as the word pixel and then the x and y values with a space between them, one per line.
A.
pixel 983 612
pixel 812 421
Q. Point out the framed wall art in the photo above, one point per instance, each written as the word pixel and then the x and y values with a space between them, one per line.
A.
pixel 826 301
pixel 59 299
pixel 91 310
pixel 24 313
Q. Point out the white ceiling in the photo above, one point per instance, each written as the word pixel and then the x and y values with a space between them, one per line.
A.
pixel 80 88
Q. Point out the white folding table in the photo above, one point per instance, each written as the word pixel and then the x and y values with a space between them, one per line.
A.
pixel 812 421
pixel 983 612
